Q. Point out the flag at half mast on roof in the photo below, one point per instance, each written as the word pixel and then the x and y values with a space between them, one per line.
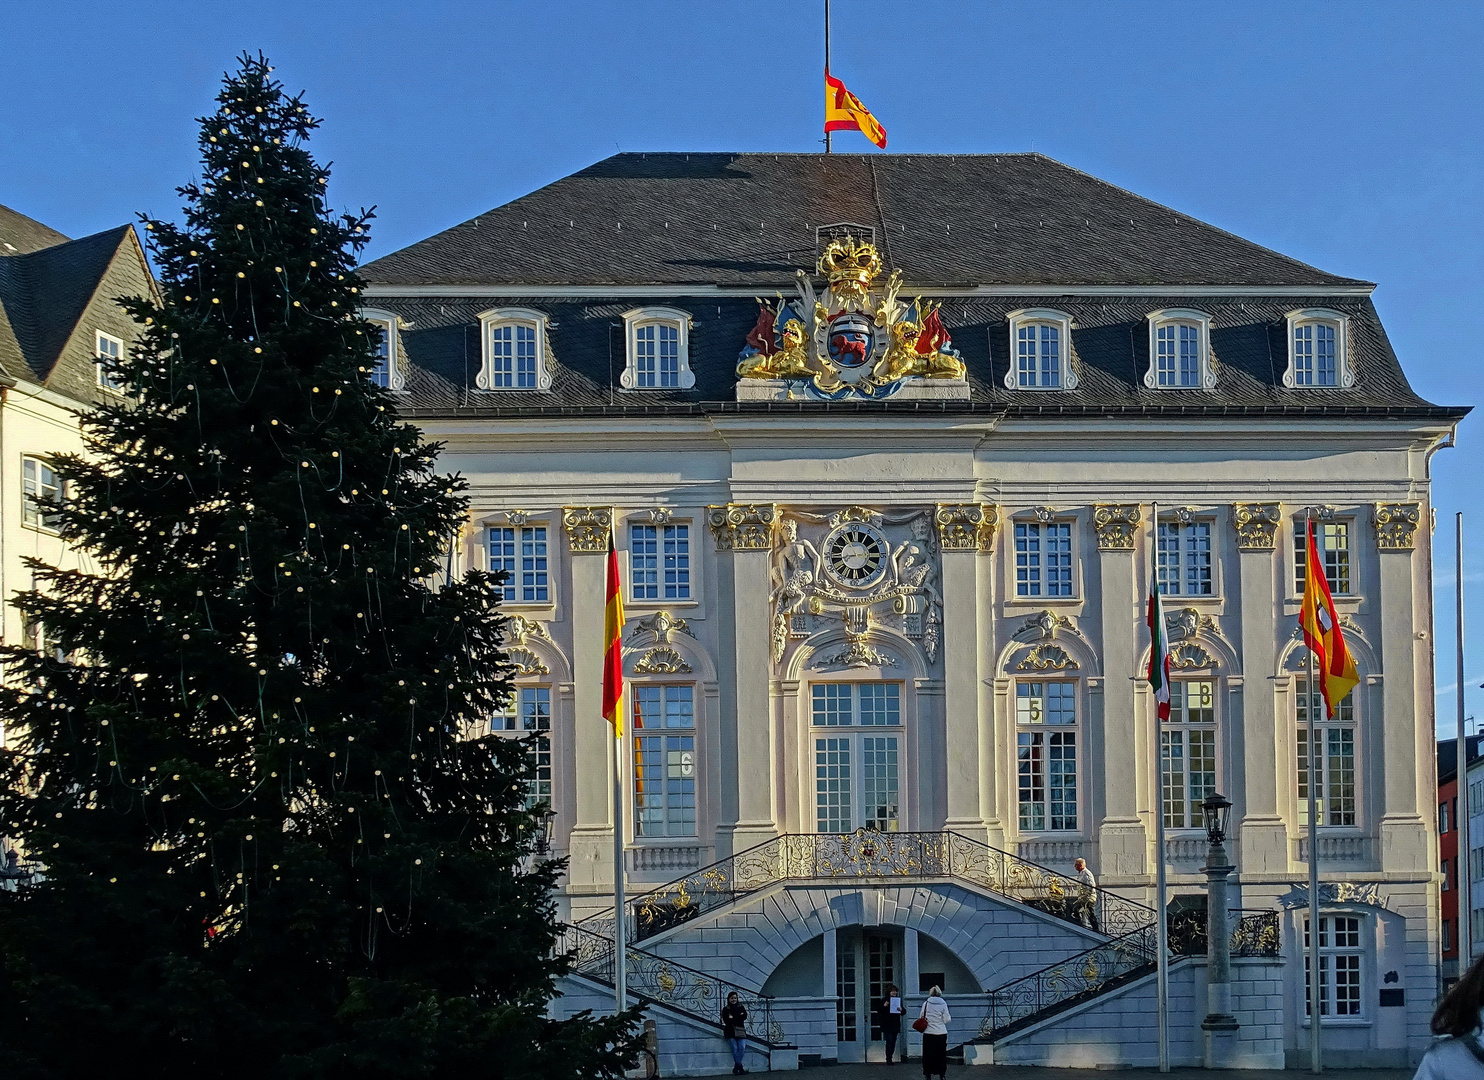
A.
pixel 1322 634
pixel 613 646
pixel 843 111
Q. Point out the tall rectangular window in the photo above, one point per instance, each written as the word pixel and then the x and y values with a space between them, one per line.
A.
pixel 659 562
pixel 502 547
pixel 1047 760
pixel 1336 757
pixel 1177 355
pixel 529 714
pixel 1188 752
pixel 535 585
pixel 1043 558
pixel 857 774
pixel 657 356
pixel 109 350
pixel 1314 358
pixel 1341 958
pixel 513 357
pixel 1332 538
pixel 41 493
pixel 664 761
pixel 1185 558
pixel 381 353
pixel 1038 356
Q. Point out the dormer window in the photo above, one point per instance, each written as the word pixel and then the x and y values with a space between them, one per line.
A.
pixel 1040 347
pixel 1179 351
pixel 1317 353
pixel 386 371
pixel 658 349
pixel 109 350
pixel 516 354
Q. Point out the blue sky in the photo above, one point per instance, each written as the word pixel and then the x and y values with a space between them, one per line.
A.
pixel 1345 134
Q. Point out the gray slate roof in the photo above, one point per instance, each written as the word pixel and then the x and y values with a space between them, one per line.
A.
pixel 749 219
pixel 20 235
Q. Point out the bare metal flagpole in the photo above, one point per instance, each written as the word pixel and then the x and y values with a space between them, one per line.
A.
pixel 1316 1061
pixel 827 146
pixel 1161 885
pixel 620 927
pixel 1462 868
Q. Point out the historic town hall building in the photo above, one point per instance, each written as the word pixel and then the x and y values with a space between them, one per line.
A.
pixel 879 437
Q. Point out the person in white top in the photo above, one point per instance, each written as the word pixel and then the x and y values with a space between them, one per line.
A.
pixel 1460 1019
pixel 1087 896
pixel 935 1035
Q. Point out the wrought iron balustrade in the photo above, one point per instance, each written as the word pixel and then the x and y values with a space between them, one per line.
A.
pixel 870 853
pixel 1253 933
pixel 659 979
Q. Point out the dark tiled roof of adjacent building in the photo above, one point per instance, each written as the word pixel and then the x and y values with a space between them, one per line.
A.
pixel 749 220
pixel 20 235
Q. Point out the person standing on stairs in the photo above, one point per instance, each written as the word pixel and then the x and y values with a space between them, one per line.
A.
pixel 1087 896
pixel 734 1030
pixel 889 1019
pixel 934 1018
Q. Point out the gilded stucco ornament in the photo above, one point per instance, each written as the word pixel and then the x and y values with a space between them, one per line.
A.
pixel 1189 656
pixel 966 526
pixel 849 343
pixel 527 664
pixel 661 660
pixel 742 526
pixel 658 627
pixel 1042 626
pixel 1396 525
pixel 520 628
pixel 1047 657
pixel 587 528
pixel 1116 525
pixel 1256 525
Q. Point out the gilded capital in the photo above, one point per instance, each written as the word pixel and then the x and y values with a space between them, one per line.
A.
pixel 743 526
pixel 1116 525
pixel 587 527
pixel 966 526
pixel 1256 525
pixel 1396 525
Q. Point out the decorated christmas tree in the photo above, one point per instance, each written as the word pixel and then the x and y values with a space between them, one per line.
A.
pixel 241 756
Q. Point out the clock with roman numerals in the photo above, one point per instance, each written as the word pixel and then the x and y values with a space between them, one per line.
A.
pixel 855 555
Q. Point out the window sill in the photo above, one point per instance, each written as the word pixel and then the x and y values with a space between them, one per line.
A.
pixel 1337 1022
pixel 528 605
pixel 1041 601
pixel 44 530
pixel 631 604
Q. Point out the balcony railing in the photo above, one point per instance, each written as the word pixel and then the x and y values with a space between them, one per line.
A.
pixel 870 853
pixel 1252 933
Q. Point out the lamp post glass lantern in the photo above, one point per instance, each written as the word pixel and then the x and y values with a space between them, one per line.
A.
pixel 1219 1025
pixel 1218 810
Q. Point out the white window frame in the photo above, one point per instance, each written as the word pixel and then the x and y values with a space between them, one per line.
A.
pixel 665 734
pixel 1344 374
pixel 1045 317
pixel 495 318
pixel 32 515
pixel 1300 553
pixel 1028 724
pixel 1348 720
pixel 99 337
pixel 1175 318
pixel 509 723
pixel 1181 564
pixel 1013 593
pixel 631 592
pixel 637 318
pixel 518 580
pixel 1359 950
pixel 1173 733
pixel 854 734
pixel 388 323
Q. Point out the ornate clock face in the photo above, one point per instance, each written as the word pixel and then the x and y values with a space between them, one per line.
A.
pixel 855 555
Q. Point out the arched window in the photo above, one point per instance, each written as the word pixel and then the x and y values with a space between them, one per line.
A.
pixel 514 345
pixel 387 371
pixel 1040 350
pixel 658 350
pixel 1179 350
pixel 1318 357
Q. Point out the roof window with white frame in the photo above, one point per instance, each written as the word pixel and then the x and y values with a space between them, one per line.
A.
pixel 516 352
pixel 387 371
pixel 1318 353
pixel 657 345
pixel 1040 350
pixel 1179 350
pixel 108 351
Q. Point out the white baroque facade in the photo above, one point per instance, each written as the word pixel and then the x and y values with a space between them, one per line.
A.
pixel 885 582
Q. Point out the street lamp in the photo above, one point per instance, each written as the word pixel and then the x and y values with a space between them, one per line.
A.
pixel 1219 1025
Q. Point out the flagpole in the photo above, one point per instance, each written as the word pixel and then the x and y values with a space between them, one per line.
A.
pixel 1462 867
pixel 827 146
pixel 620 921
pixel 1316 1063
pixel 1161 884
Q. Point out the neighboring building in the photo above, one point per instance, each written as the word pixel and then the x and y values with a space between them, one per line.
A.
pixel 1475 861
pixel 1448 862
pixel 58 316
pixel 886 546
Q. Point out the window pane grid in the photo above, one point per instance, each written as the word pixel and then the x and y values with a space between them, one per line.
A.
pixel 676 540
pixel 1047 760
pixel 1043 559
pixel 644 562
pixel 1335 785
pixel 40 493
pixel 529 713
pixel 664 761
pixel 1185 558
pixel 381 373
pixel 535 586
pixel 1038 355
pixel 1332 538
pixel 879 782
pixel 1340 967
pixel 832 786
pixel 1177 355
pixel 501 545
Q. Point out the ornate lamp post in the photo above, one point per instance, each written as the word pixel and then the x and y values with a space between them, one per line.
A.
pixel 1219 1025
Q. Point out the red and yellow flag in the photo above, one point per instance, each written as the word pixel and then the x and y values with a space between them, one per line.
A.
pixel 843 111
pixel 613 646
pixel 1321 626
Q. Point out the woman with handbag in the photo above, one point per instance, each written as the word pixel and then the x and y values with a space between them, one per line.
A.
pixel 734 1031
pixel 933 1023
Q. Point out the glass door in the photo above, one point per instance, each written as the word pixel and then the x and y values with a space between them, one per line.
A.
pixel 857 756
